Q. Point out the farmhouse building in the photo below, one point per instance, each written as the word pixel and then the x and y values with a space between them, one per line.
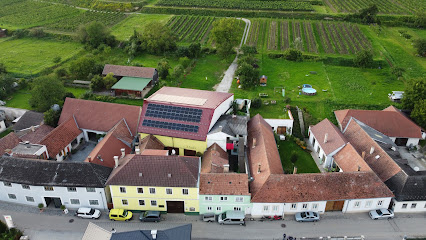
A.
pixel 30 120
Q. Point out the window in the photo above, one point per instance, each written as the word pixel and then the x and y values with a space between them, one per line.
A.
pixel 25 186
pixel 90 189
pixel 124 202
pixel 239 199
pixel 209 208
pixel 275 208
pixel 237 208
pixel 72 189
pixel 380 203
pixel 48 188
pixel 265 208
pixel 305 206
pixel 404 205
pixel 75 201
pixel 357 204
pixel 413 205
pixel 7 184
pixel 152 190
pixel 314 205
pixel 140 190
pixel 185 191
pixel 192 209
pixel 153 203
pixel 208 198
pixel 368 204
pixel 29 199
pixel 293 205
pixel 122 189
pixel 12 196
pixel 141 202
pixel 218 208
pixel 425 205
pixel 93 202
pixel 169 191
pixel 223 198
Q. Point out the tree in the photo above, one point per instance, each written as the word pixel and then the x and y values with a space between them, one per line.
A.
pixel 363 58
pixel 249 75
pixel 249 50
pixel 51 117
pixel 2 68
pixel 68 95
pixel 178 72
pixel 420 19
pixel 157 38
pixel 185 61
pixel 419 113
pixel 225 36
pixel 420 45
pixel 415 91
pixel 294 158
pixel 97 83
pixel 6 86
pixel 82 67
pixel 94 34
pixel 293 54
pixel 109 80
pixel 256 103
pixel 46 91
pixel 194 50
pixel 397 71
pixel 368 15
pixel 163 67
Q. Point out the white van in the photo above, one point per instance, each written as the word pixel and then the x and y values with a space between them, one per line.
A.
pixel 232 217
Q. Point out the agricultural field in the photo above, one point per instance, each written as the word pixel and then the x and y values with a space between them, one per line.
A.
pixel 191 28
pixel 124 29
pixel 385 6
pixel 308 36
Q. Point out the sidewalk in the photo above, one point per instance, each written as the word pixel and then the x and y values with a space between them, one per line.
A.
pixel 314 155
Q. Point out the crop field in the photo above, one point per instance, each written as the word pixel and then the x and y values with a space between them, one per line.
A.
pixel 313 37
pixel 191 28
pixel 385 6
pixel 124 29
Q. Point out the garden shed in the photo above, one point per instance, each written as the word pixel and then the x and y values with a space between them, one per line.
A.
pixel 131 86
pixel 263 80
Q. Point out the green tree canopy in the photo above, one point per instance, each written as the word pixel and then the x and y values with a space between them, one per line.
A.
pixel 157 38
pixel 415 91
pixel 6 86
pixel 225 36
pixel 364 58
pixel 420 45
pixel 368 15
pixel 97 83
pixel 419 113
pixel 109 80
pixel 178 71
pixel 51 117
pixel 163 67
pixel 94 34
pixel 83 67
pixel 194 50
pixel 249 75
pixel 46 91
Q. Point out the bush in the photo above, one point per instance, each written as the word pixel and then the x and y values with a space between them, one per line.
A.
pixel 37 33
pixel 364 58
pixel 184 61
pixel 293 55
pixel 420 45
pixel 256 103
pixel 407 36
pixel 61 72
pixel 51 117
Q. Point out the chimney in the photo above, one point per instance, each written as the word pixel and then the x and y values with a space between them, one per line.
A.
pixel 169 175
pixel 140 174
pixel 137 150
pixel 359 168
pixel 27 142
pixel 371 150
pixel 226 168
pixel 32 129
pixel 254 142
pixel 294 170
pixel 115 161
pixel 89 158
pixel 363 155
pixel 123 152
pixel 154 234
pixel 326 138
pixel 258 169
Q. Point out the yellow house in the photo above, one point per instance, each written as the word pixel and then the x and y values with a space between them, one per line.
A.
pixel 161 183
pixel 181 118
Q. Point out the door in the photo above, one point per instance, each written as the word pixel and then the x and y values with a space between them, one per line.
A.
pixel 57 202
pixel 281 130
pixel 334 205
pixel 401 141
pixel 175 206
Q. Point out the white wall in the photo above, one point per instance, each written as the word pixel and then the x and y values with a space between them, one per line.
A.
pixel 2 126
pixel 219 138
pixel 275 123
pixel 328 159
pixel 365 205
pixel 411 141
pixel 85 133
pixel 259 211
pixel 309 207
pixel 220 110
pixel 420 206
pixel 60 157
pixel 38 193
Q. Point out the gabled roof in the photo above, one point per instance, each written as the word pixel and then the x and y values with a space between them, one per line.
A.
pixel 52 173
pixel 30 118
pixel 150 142
pixel 129 71
pixel 390 121
pixel 99 116
pixel 335 138
pixel 213 159
pixel 262 153
pixel 8 142
pixel 177 233
pixel 349 160
pixel 293 188
pixel 111 145
pixel 141 170
pixel 132 83
pixel 408 187
pixel 39 133
pixel 94 232
pixel 224 184
pixel 231 125
pixel 60 137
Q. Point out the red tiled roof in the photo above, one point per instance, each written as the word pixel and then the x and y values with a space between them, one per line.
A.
pixel 213 159
pixel 293 188
pixel 155 152
pixel 111 145
pixel 385 167
pixel 150 142
pixel 140 170
pixel 391 122
pixel 100 116
pixel 335 138
pixel 60 137
pixel 8 142
pixel 224 184
pixel 263 154
pixel 39 133
pixel 129 71
pixel 349 160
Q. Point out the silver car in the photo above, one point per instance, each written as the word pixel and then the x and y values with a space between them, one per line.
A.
pixel 381 213
pixel 308 216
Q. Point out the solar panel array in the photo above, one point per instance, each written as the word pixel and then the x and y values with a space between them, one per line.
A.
pixel 174 113
pixel 171 126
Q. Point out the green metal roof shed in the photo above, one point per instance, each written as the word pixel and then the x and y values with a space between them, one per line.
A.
pixel 132 83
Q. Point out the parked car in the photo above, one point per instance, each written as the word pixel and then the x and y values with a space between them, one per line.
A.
pixel 396 96
pixel 120 215
pixel 150 216
pixel 232 217
pixel 209 217
pixel 308 216
pixel 88 213
pixel 381 213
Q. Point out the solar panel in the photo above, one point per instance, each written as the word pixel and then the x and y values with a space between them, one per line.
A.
pixel 169 125
pixel 172 112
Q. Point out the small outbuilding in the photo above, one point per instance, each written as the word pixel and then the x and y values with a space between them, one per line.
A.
pixel 263 80
pixel 3 33
pixel 131 86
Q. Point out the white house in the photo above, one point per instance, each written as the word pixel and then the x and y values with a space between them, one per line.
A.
pixel 72 184
pixel 326 140
pixel 26 149
pixel 282 126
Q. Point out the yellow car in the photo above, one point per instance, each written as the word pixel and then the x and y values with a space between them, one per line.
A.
pixel 120 215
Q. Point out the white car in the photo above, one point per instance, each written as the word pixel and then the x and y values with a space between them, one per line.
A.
pixel 381 213
pixel 88 213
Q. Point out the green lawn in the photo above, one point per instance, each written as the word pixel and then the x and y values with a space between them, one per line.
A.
pixel 305 163
pixel 20 99
pixel 76 91
pixel 29 56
